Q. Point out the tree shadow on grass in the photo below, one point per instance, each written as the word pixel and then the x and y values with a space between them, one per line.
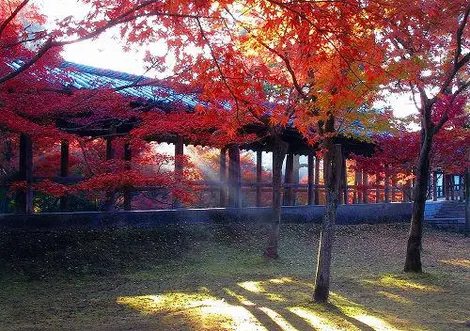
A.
pixel 272 304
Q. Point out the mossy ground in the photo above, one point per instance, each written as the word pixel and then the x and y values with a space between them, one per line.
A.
pixel 213 277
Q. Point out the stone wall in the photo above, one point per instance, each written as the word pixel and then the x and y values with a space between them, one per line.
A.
pixel 347 214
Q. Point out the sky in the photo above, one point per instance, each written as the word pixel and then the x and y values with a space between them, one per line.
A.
pixel 107 52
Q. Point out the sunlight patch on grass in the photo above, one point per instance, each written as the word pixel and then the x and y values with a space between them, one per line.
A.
pixel 457 263
pixel 358 312
pixel 259 287
pixel 394 297
pixel 252 286
pixel 282 280
pixel 278 319
pixel 318 322
pixel 391 281
pixel 202 310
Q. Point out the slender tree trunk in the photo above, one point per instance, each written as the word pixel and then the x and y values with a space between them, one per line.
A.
pixel 333 165
pixel 279 153
pixel 413 251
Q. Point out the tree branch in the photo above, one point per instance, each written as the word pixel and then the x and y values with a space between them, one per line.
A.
pixel 12 16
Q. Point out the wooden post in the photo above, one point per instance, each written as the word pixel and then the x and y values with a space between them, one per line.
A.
pixel 179 152
pixel 407 191
pixel 64 171
pixel 365 183
pixel 387 186
pixel 25 198
pixel 317 181
pixel 358 196
pixel 461 190
pixel 287 201
pixel 434 185
pixel 310 166
pixel 234 177
pixel 445 192
pixel 223 176
pixel 344 178
pixel 377 189
pixel 467 203
pixel 7 154
pixel 259 170
pixel 127 159
pixel 452 187
pixel 394 191
pixel 295 178
pixel 110 196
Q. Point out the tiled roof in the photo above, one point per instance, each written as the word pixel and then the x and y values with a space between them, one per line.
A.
pixel 83 76
pixel 87 77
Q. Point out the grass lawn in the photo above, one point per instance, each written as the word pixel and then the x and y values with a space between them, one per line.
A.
pixel 212 277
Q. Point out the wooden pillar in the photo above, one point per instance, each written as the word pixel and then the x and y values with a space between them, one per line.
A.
pixel 234 178
pixel 223 176
pixel 409 190
pixel 295 178
pixel 365 184
pixel 127 159
pixel 467 203
pixel 64 170
pixel 310 167
pixel 387 185
pixel 7 154
pixel 394 191
pixel 344 178
pixel 445 185
pixel 452 187
pixel 259 171
pixel 288 179
pixel 461 189
pixel 434 185
pixel 317 181
pixel 179 152
pixel 25 198
pixel 110 196
pixel 358 196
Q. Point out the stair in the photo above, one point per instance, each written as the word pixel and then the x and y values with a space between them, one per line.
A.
pixel 446 214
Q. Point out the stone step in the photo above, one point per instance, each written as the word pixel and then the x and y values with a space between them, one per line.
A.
pixel 450 220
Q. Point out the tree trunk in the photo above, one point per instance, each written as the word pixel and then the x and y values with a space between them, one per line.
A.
pixel 413 251
pixel 279 152
pixel 333 165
